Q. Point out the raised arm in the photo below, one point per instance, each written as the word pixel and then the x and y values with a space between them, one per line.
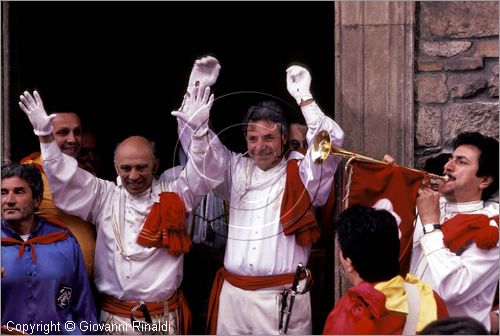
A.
pixel 206 165
pixel 73 189
pixel 204 74
pixel 317 178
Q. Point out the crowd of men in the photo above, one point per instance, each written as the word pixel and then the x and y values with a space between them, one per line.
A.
pixel 76 247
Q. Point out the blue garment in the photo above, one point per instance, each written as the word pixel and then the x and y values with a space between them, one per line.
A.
pixel 54 288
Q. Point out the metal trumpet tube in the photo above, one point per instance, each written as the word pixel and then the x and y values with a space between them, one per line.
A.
pixel 323 147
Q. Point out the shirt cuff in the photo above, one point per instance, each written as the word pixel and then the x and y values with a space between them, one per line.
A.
pixel 200 140
pixel 311 113
pixel 50 150
pixel 432 242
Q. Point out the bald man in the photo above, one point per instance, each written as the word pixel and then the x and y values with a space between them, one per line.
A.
pixel 140 222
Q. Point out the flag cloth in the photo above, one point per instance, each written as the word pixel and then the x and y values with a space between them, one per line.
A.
pixel 367 182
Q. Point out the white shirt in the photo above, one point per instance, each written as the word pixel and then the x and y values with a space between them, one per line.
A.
pixel 123 268
pixel 466 282
pixel 210 213
pixel 256 243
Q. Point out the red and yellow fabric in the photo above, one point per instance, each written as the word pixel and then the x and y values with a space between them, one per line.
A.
pixel 369 309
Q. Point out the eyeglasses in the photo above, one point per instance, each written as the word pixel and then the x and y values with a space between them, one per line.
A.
pixel 295 144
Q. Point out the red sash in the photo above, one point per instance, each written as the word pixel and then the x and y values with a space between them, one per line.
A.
pixel 176 302
pixel 44 239
pixel 297 213
pixel 243 282
pixel 164 226
pixel 464 229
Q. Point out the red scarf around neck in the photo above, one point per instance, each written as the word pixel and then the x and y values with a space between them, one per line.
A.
pixel 164 226
pixel 464 229
pixel 44 239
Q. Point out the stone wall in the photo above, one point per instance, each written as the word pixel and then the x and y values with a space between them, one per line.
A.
pixel 456 80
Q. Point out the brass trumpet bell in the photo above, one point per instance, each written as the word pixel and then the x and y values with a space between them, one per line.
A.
pixel 323 147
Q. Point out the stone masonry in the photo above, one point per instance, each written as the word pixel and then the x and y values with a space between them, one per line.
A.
pixel 456 80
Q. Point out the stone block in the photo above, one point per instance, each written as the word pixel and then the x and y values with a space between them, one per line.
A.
pixel 493 90
pixel 458 19
pixel 482 117
pixel 494 71
pixel 430 65
pixel 444 48
pixel 486 48
pixel 428 126
pixel 466 85
pixel 432 89
pixel 468 90
pixel 425 153
pixel 493 83
pixel 463 63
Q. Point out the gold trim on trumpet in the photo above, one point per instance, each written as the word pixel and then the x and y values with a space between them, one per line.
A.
pixel 323 147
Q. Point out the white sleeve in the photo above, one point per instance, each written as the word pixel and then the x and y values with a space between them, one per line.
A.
pixel 185 135
pixel 74 190
pixel 205 169
pixel 318 178
pixel 459 277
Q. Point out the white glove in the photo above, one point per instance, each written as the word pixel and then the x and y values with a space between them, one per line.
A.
pixel 298 82
pixel 33 107
pixel 205 72
pixel 197 109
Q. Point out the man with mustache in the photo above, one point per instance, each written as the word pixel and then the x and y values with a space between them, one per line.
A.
pixel 455 243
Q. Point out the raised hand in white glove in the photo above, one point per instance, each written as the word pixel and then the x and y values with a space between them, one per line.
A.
pixel 298 82
pixel 205 72
pixel 33 107
pixel 197 109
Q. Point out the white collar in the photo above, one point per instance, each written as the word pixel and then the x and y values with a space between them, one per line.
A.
pixel 464 207
pixel 152 192
pixel 264 178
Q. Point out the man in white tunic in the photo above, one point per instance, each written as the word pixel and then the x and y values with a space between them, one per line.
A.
pixel 134 263
pixel 455 243
pixel 262 252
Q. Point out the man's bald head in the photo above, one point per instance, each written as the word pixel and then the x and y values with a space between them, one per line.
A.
pixel 136 163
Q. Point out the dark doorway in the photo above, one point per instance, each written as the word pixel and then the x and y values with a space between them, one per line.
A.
pixel 130 62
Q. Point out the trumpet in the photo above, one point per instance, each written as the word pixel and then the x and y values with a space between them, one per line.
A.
pixel 323 147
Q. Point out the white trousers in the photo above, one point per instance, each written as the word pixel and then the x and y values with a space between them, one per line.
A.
pixel 256 312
